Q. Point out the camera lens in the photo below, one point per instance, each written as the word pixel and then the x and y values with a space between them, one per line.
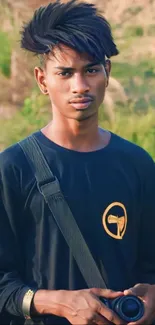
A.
pixel 129 308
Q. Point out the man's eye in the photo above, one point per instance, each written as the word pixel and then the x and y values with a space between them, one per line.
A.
pixel 64 73
pixel 91 71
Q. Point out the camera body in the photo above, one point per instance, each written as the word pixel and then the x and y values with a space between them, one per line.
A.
pixel 129 308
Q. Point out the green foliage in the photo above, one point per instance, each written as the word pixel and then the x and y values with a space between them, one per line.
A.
pixel 134 31
pixel 33 116
pixel 133 11
pixel 139 82
pixel 125 70
pixel 5 54
pixel 33 111
pixel 139 129
pixel 135 121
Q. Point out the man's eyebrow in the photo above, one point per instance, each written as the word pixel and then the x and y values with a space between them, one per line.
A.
pixel 89 65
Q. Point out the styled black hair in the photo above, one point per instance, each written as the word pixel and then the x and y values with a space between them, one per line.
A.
pixel 79 25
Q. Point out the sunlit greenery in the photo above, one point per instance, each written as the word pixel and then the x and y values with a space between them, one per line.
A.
pixel 5 54
pixel 134 121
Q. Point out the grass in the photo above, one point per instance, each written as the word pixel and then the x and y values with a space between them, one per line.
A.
pixel 139 129
pixel 32 116
pixel 138 80
pixel 5 54
pixel 134 31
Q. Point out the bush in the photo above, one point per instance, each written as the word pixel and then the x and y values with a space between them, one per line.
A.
pixel 33 116
pixel 139 129
pixel 134 31
pixel 5 54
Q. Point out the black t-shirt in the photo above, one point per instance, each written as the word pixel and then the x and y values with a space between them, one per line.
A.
pixel 111 193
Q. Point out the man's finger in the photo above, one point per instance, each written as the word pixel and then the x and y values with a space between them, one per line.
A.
pixel 110 315
pixel 137 290
pixel 106 293
pixel 147 319
pixel 100 320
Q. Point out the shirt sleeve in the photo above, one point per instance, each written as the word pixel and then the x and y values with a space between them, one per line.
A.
pixel 12 288
pixel 146 262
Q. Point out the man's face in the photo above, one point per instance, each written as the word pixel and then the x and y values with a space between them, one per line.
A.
pixel 75 84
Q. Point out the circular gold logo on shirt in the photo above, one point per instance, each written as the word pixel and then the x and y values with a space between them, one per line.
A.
pixel 115 216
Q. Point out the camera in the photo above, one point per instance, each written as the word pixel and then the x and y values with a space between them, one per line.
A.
pixel 128 308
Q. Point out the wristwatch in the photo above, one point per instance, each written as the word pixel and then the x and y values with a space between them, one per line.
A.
pixel 27 302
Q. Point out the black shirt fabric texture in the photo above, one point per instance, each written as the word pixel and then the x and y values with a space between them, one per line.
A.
pixel 111 193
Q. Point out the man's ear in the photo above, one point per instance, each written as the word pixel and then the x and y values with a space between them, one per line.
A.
pixel 107 70
pixel 40 78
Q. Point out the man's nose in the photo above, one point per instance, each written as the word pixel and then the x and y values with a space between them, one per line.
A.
pixel 80 84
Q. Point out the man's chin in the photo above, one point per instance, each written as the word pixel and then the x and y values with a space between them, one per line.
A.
pixel 83 117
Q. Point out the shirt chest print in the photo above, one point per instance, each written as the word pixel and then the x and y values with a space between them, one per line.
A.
pixel 114 220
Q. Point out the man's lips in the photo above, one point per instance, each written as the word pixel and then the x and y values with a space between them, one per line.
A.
pixel 81 103
pixel 81 100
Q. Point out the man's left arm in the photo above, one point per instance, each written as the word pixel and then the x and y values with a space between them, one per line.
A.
pixel 146 261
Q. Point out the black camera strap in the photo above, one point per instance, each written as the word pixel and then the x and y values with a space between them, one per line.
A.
pixel 48 185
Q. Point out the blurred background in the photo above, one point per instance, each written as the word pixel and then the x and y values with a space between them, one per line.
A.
pixel 129 106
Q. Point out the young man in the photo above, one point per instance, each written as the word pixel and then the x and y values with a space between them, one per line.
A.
pixel 108 183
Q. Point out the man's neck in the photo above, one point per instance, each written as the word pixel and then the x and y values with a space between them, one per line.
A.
pixel 81 136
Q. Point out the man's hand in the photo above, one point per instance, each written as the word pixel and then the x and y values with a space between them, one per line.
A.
pixel 147 293
pixel 85 307
pixel 81 307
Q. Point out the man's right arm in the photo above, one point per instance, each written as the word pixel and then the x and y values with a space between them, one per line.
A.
pixel 78 306
pixel 12 288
